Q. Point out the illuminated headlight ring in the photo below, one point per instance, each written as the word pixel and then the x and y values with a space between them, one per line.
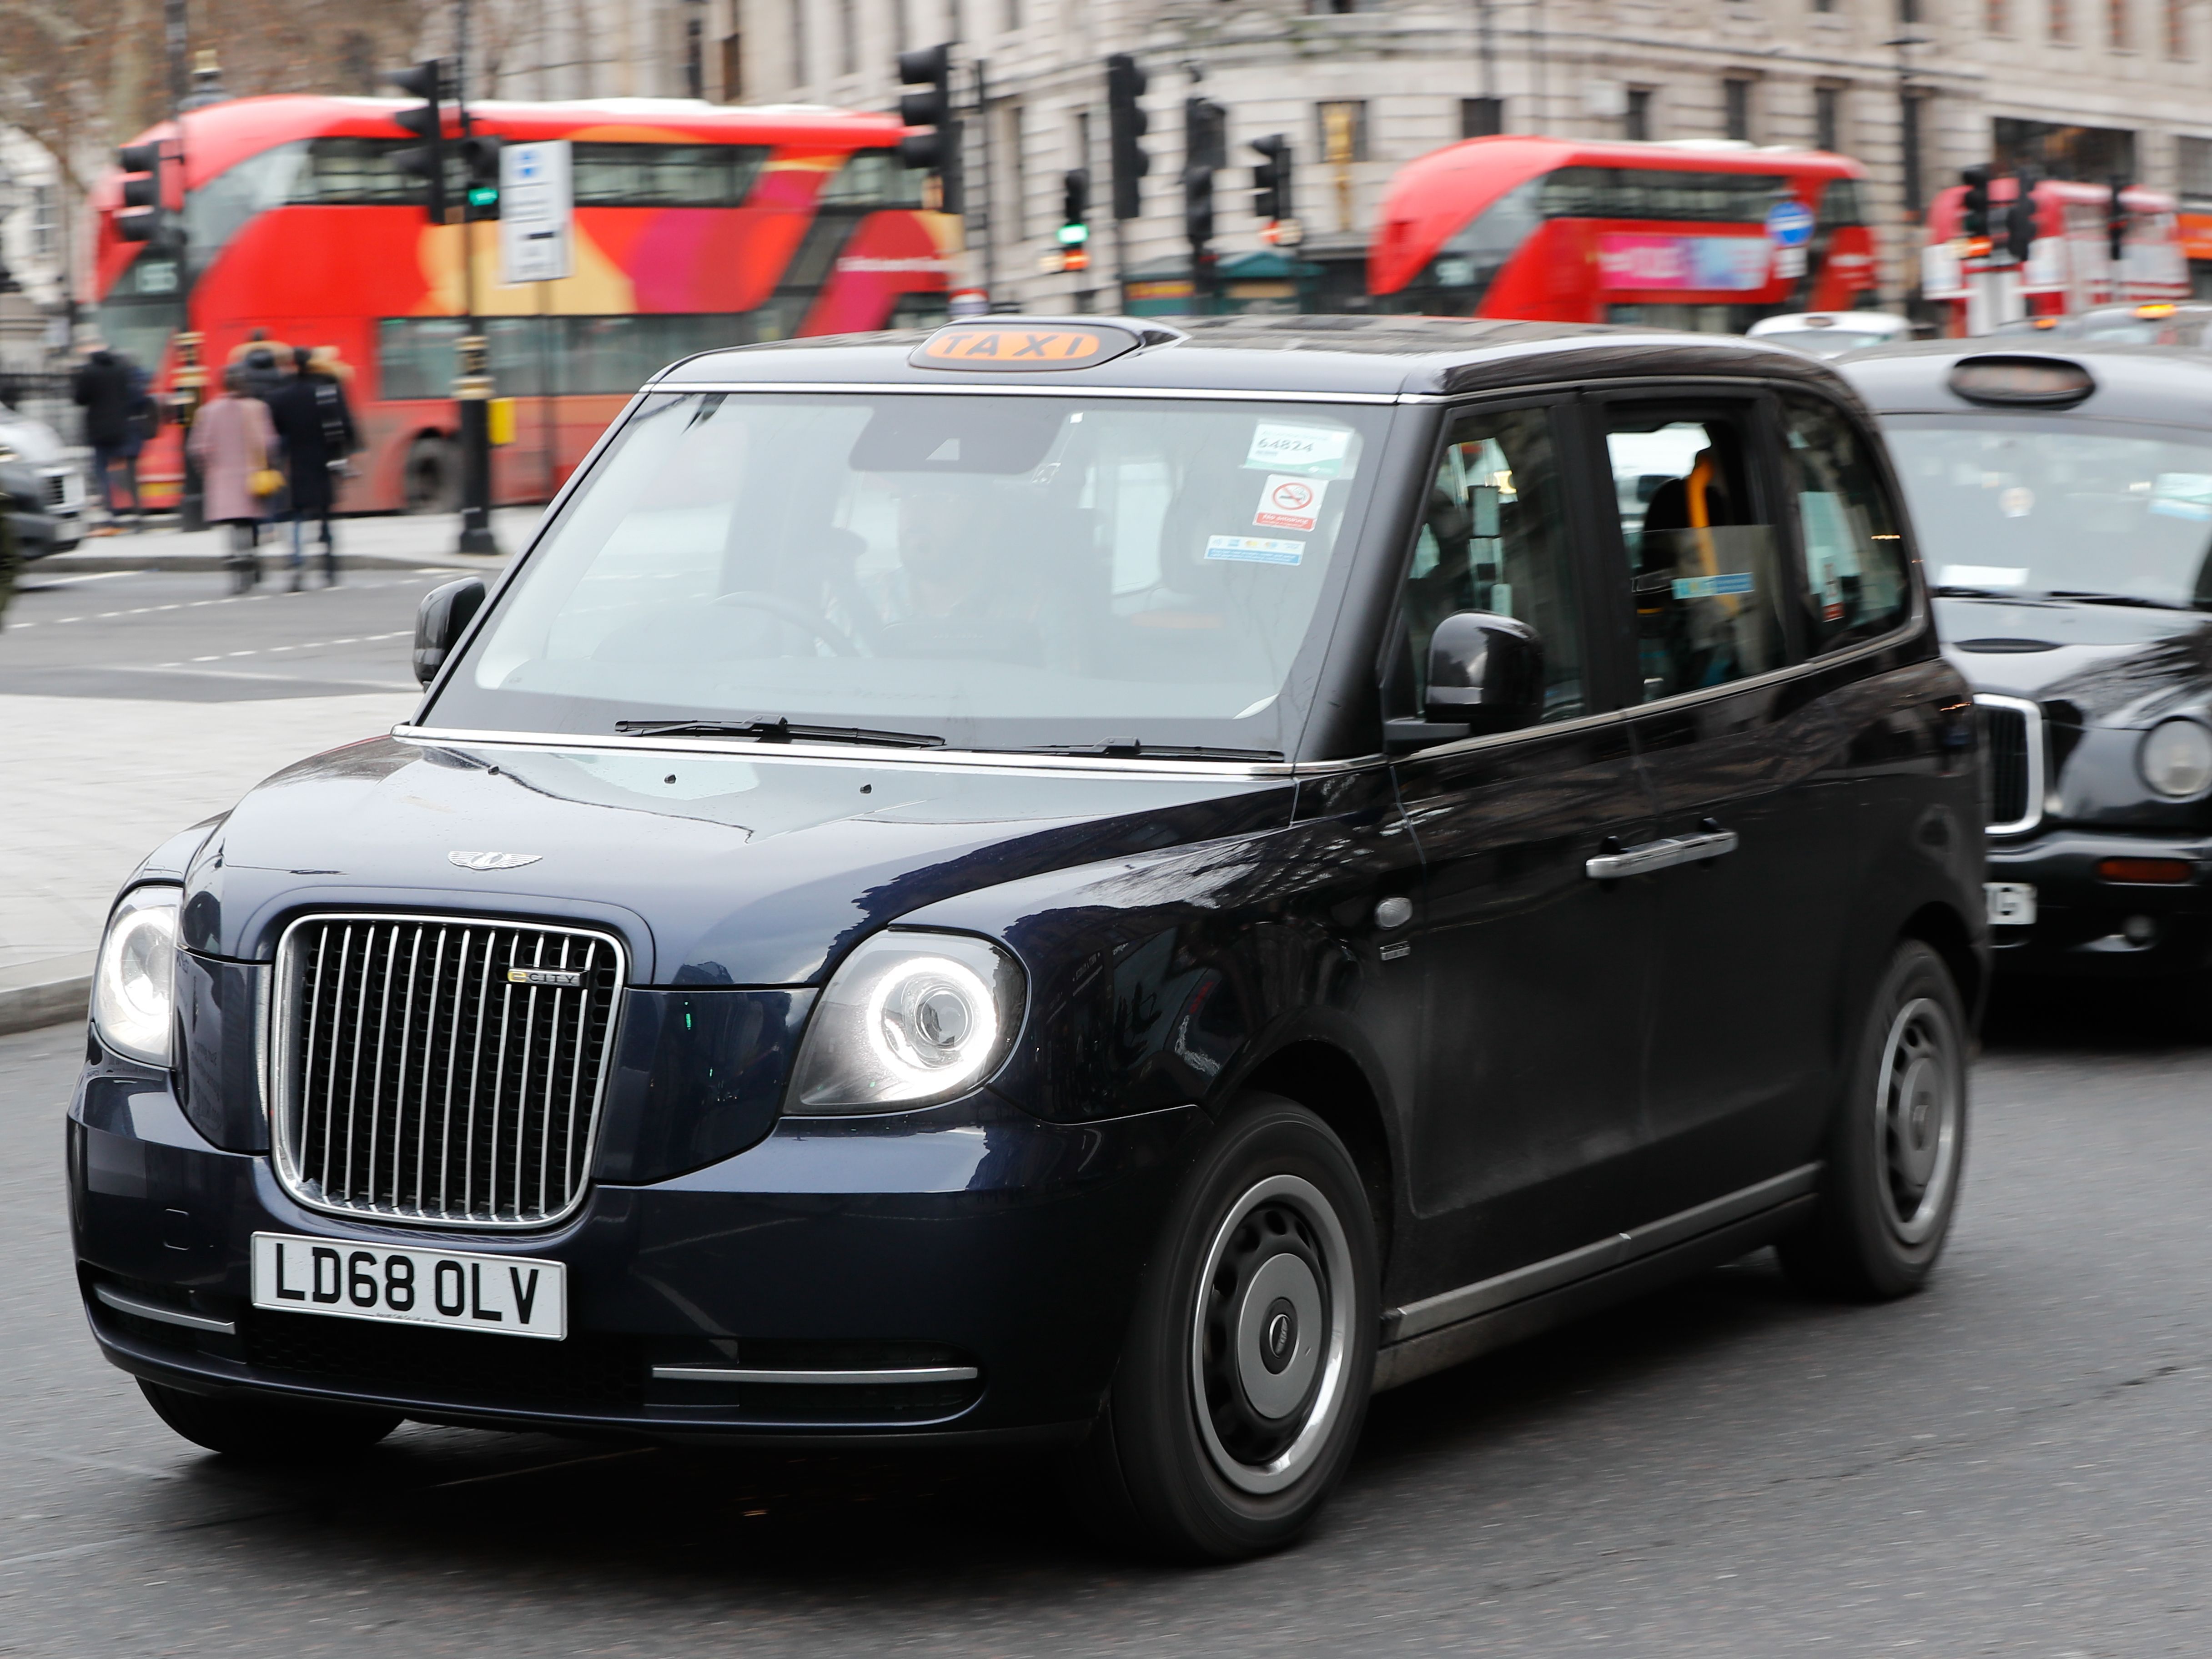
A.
pixel 908 1019
pixel 134 1002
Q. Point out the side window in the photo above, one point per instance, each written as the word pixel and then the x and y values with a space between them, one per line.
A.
pixel 1855 573
pixel 1706 572
pixel 1493 537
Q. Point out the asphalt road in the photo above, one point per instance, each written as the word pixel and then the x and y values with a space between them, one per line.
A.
pixel 2018 1462
pixel 182 637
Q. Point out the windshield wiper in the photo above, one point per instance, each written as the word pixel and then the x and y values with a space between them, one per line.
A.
pixel 2134 599
pixel 777 730
pixel 1130 748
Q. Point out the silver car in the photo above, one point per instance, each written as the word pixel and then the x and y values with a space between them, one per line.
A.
pixel 45 486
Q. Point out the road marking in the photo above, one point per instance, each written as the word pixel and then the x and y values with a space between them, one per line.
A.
pixel 311 645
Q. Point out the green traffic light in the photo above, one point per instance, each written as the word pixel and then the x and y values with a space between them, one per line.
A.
pixel 1073 235
pixel 483 196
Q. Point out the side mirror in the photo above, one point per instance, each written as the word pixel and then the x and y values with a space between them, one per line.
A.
pixel 1485 675
pixel 444 616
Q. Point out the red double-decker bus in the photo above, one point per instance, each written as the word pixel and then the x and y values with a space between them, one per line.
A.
pixel 1710 236
pixel 694 227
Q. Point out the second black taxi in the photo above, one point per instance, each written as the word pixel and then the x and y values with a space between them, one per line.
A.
pixel 1068 882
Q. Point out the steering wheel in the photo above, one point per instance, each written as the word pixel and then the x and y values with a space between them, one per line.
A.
pixel 839 642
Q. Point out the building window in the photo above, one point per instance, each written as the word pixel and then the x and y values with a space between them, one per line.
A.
pixel 1736 106
pixel 2116 24
pixel 46 228
pixel 2177 29
pixel 848 39
pixel 1828 118
pixel 1481 118
pixel 1824 5
pixel 797 43
pixel 1908 11
pixel 1343 129
pixel 2196 159
pixel 733 67
pixel 1014 15
pixel 2062 21
pixel 1636 117
pixel 1996 16
pixel 695 56
pixel 900 33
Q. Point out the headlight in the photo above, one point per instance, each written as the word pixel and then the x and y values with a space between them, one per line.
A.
pixel 2176 759
pixel 133 984
pixel 910 1019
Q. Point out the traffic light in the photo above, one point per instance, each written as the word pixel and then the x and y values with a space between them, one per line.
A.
pixel 1271 179
pixel 2116 222
pixel 426 121
pixel 142 190
pixel 937 150
pixel 1126 124
pixel 2019 218
pixel 480 165
pixel 1974 211
pixel 1205 148
pixel 1075 207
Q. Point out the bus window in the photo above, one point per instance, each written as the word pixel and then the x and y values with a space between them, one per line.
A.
pixel 663 175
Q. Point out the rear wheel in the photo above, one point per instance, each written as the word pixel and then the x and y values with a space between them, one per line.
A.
pixel 263 1430
pixel 1245 1375
pixel 432 481
pixel 1897 1154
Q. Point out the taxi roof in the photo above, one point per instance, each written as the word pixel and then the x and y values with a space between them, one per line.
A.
pixel 1377 358
pixel 2168 385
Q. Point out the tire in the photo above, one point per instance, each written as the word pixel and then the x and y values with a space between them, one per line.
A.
pixel 1245 1378
pixel 432 480
pixel 1897 1152
pixel 262 1430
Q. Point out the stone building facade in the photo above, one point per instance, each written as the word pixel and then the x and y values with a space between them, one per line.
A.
pixel 1914 89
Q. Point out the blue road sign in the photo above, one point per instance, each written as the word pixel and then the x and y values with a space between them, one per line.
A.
pixel 1789 224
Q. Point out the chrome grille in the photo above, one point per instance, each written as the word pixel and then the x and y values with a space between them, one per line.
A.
pixel 2012 763
pixel 56 489
pixel 438 1069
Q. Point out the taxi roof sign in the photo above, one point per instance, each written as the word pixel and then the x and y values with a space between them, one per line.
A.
pixel 1010 347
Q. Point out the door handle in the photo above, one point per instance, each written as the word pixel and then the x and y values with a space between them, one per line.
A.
pixel 1645 857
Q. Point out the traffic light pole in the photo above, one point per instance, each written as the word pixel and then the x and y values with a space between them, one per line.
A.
pixel 472 389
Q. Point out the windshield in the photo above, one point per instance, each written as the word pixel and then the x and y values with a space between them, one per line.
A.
pixel 994 571
pixel 2025 505
pixel 1822 341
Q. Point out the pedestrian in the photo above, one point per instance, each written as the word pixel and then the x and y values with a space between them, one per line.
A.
pixel 316 430
pixel 233 441
pixel 107 388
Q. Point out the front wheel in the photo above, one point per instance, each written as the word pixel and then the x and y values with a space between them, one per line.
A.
pixel 1897 1154
pixel 256 1430
pixel 1245 1375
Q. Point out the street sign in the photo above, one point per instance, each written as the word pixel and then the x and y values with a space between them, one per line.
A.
pixel 1789 224
pixel 537 235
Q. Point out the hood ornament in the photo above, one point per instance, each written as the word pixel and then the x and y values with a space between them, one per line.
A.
pixel 493 860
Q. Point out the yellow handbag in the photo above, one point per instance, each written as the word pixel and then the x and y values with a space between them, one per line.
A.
pixel 264 481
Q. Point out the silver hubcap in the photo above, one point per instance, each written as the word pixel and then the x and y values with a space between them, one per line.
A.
pixel 1917 1107
pixel 1271 1334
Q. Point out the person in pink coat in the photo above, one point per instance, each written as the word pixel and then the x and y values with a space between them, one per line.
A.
pixel 232 440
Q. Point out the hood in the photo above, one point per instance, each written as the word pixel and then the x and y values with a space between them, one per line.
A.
pixel 717 869
pixel 32 440
pixel 2118 664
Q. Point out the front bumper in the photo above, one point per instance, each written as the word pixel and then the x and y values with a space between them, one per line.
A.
pixel 38 534
pixel 2089 926
pixel 970 1235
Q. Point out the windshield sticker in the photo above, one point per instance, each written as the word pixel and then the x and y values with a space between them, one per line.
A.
pixel 2016 502
pixel 1311 451
pixel 1289 503
pixel 2183 496
pixel 1982 575
pixel 1251 549
pixel 1711 587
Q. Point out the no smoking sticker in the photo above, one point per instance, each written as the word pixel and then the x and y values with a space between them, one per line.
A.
pixel 1289 503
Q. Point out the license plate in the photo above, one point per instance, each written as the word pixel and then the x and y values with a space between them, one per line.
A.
pixel 2012 903
pixel 503 1294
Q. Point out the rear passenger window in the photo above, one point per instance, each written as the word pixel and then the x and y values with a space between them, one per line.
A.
pixel 1855 574
pixel 1492 540
pixel 1705 568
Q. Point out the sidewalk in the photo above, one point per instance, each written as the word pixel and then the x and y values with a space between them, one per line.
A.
pixel 409 540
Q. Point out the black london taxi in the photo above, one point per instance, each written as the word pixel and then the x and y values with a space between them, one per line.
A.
pixel 1075 884
pixel 2064 495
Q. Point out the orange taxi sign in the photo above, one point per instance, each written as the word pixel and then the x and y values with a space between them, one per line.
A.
pixel 1018 346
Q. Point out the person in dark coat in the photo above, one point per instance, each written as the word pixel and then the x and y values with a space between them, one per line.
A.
pixel 316 430
pixel 106 388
